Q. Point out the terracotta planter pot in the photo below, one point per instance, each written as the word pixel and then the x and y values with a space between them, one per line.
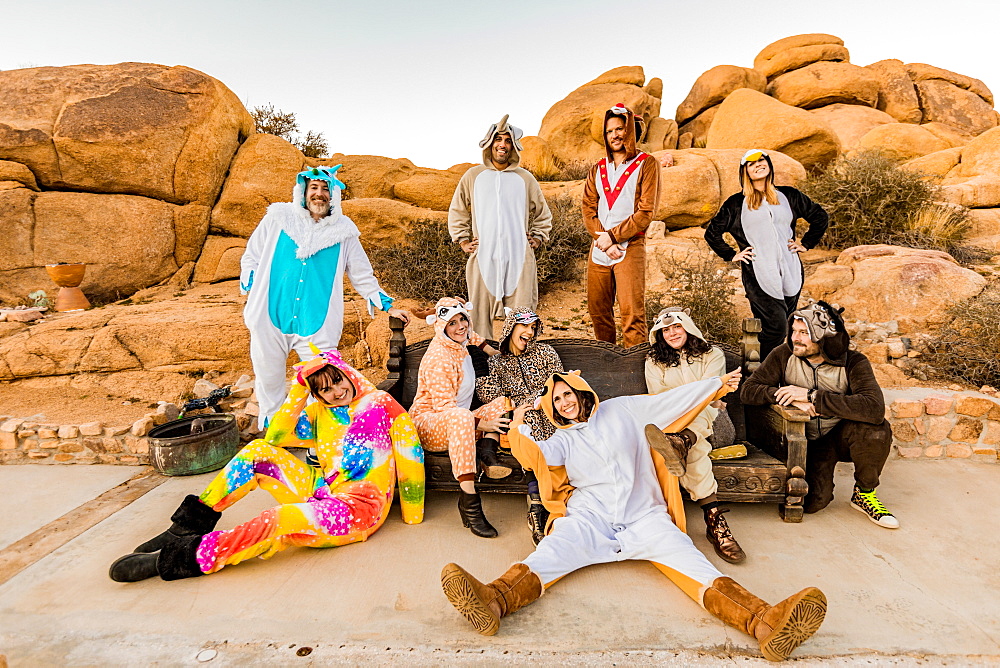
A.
pixel 68 277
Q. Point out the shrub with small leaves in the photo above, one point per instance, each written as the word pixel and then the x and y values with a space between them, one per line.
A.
pixel 968 347
pixel 430 265
pixel 698 281
pixel 871 200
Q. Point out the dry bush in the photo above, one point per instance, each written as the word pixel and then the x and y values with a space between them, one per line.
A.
pixel 698 282
pixel 574 170
pixel 872 201
pixel 545 169
pixel 569 242
pixel 968 348
pixel 430 265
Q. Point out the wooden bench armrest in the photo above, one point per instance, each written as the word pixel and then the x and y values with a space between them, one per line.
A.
pixel 790 413
pixel 397 347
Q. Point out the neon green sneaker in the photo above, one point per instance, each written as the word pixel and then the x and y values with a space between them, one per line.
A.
pixel 869 504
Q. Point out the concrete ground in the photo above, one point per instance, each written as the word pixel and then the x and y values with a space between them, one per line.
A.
pixel 926 594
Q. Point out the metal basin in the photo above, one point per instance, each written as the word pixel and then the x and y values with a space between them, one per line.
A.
pixel 174 450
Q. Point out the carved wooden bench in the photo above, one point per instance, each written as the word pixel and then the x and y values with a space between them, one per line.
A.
pixel 772 472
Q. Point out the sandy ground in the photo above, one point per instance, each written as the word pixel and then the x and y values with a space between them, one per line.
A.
pixel 925 594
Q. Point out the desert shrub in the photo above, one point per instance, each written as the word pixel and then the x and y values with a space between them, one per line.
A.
pixel 429 265
pixel 968 347
pixel 871 201
pixel 569 242
pixel 548 169
pixel 544 169
pixel 699 282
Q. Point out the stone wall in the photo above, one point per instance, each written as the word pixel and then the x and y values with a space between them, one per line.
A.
pixel 26 442
pixel 927 423
pixel 932 424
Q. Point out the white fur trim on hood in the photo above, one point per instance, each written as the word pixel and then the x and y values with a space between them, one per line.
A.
pixel 312 236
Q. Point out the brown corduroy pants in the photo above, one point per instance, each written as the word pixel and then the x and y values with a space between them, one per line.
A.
pixel 627 281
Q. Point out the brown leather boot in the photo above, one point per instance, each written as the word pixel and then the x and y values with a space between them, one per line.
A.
pixel 721 537
pixel 673 447
pixel 484 604
pixel 779 628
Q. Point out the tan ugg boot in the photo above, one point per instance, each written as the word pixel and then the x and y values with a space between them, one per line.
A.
pixel 778 628
pixel 484 604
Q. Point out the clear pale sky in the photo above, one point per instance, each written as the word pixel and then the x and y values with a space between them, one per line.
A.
pixel 424 80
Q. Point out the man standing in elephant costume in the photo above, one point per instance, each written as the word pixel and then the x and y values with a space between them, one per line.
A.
pixel 499 217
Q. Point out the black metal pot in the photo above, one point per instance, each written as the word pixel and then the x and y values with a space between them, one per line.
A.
pixel 196 444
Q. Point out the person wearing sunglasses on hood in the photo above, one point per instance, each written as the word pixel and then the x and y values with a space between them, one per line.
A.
pixel 612 499
pixel 442 407
pixel 679 355
pixel 519 373
pixel 499 216
pixel 817 372
pixel 365 443
pixel 761 218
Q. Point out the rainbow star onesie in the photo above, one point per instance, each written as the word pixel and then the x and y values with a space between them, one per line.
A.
pixel 362 449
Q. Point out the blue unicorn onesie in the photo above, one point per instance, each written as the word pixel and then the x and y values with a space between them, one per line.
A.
pixel 293 271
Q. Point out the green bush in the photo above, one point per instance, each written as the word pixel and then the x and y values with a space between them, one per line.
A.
pixel 871 200
pixel 429 265
pixel 698 281
pixel 968 347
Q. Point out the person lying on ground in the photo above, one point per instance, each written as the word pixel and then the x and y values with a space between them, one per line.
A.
pixel 622 504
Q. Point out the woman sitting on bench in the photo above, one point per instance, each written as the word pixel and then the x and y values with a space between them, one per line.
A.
pixel 678 355
pixel 446 384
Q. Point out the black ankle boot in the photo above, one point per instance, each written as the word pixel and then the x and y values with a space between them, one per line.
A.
pixel 175 561
pixel 538 517
pixel 134 567
pixel 470 507
pixel 486 452
pixel 192 518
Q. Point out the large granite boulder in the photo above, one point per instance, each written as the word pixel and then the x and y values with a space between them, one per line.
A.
pixel 127 242
pixel 713 86
pixel 262 173
pixel 792 53
pixel 902 141
pixel 913 287
pixel 383 222
pixel 573 127
pixel 749 119
pixel 963 109
pixel 851 122
pixel 896 95
pixel 825 83
pixel 160 132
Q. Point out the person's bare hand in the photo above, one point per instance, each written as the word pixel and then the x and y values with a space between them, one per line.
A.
pixel 806 406
pixel 490 350
pixel 604 241
pixel 494 426
pixel 402 314
pixel 745 255
pixel 667 160
pixel 519 411
pixel 791 393
pixel 469 245
pixel 615 252
pixel 534 242
pixel 732 379
pixel 795 246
